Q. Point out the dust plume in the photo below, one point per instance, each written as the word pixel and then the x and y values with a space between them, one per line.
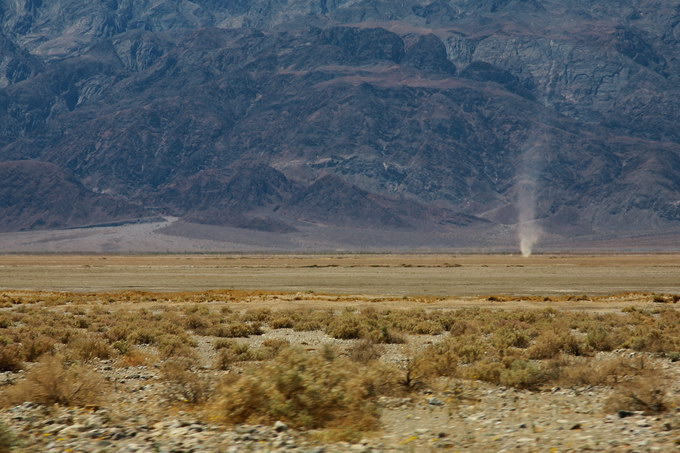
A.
pixel 528 230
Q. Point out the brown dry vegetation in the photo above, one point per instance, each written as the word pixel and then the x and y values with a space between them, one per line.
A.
pixel 58 337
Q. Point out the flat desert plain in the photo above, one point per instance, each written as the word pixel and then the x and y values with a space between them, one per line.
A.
pixel 339 353
pixel 370 274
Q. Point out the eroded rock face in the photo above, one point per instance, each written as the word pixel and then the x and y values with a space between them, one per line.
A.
pixel 237 113
pixel 36 195
pixel 16 64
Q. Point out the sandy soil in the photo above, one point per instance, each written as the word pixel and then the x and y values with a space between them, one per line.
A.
pixel 395 275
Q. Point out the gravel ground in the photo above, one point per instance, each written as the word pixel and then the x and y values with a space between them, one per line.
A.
pixel 456 416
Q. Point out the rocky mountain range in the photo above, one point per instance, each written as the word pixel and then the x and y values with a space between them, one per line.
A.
pixel 289 115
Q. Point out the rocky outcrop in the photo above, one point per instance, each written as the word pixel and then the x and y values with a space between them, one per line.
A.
pixel 37 195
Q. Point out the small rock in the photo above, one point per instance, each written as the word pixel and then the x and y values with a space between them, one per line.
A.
pixel 279 426
pixel 434 401
pixel 245 429
pixel 73 430
pixel 576 426
pixel 624 414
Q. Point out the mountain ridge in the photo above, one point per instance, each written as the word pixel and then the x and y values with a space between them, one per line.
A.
pixel 411 116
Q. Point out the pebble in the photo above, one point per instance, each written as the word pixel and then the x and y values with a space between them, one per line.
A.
pixel 434 401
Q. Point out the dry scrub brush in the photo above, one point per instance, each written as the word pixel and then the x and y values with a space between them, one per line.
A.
pixel 183 383
pixel 526 349
pixel 307 391
pixel 231 352
pixel 647 395
pixel 54 381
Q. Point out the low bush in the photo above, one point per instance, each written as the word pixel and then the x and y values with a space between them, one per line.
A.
pixel 10 357
pixel 510 372
pixel 346 327
pixel 137 357
pixel 608 372
pixel 231 352
pixel 282 322
pixel 52 381
pixel 523 374
pixel 276 344
pixel 306 391
pixel 384 335
pixel 364 351
pixel 172 346
pixel 182 383
pixel 439 359
pixel 308 325
pixel 257 315
pixel 35 346
pixel 647 395
pixel 550 344
pixel 653 340
pixel 510 336
pixel 427 328
pixel 89 347
pixel 600 338
pixel 235 330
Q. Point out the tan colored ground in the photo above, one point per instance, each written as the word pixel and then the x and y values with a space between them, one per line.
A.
pixel 396 275
pixel 473 416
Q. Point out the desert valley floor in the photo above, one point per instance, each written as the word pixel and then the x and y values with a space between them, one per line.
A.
pixel 356 352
